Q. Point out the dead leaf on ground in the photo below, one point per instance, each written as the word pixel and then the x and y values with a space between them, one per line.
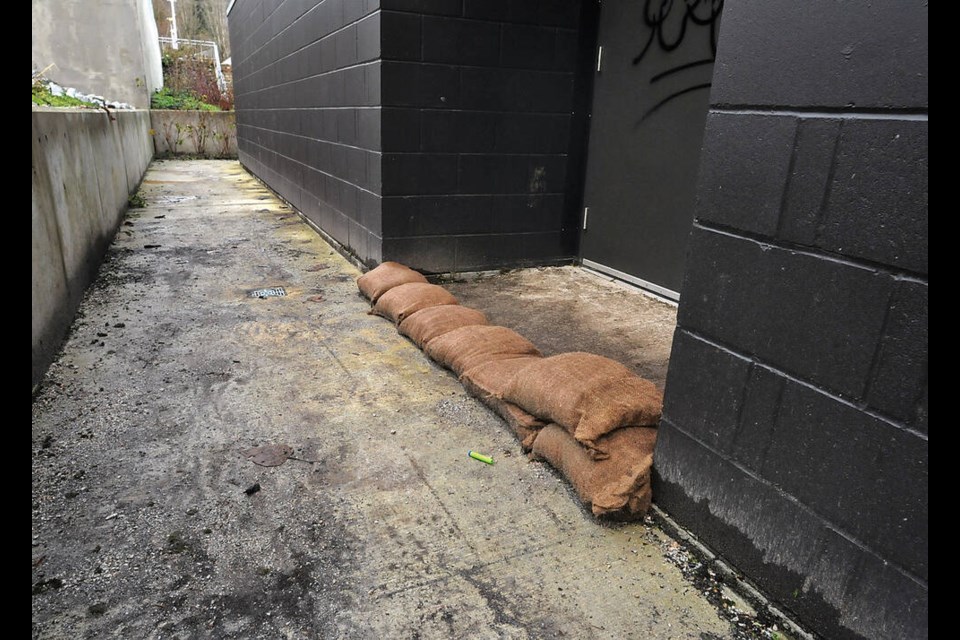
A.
pixel 269 455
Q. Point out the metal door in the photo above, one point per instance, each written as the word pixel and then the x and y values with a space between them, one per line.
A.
pixel 650 97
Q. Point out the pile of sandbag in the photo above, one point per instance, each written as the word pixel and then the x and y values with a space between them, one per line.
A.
pixel 589 416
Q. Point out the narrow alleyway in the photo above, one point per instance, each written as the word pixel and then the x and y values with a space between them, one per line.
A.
pixel 149 521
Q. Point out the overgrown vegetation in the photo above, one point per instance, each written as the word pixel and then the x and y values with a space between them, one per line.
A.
pixel 166 98
pixel 136 201
pixel 43 97
pixel 190 82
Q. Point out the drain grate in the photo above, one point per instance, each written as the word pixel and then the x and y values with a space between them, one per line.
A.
pixel 268 293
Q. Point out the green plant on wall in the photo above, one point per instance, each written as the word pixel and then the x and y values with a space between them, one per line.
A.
pixel 166 98
pixel 173 141
pixel 200 132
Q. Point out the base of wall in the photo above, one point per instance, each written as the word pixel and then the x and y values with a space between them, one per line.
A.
pixel 811 570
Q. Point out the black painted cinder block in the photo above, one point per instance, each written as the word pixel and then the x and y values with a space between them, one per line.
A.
pixel 877 206
pixel 313 184
pixel 449 131
pixel 705 389
pixel 478 252
pixel 336 91
pixel 516 90
pixel 353 10
pixel 312 92
pixel 337 226
pixel 328 124
pixel 565 55
pixel 349 200
pixel 418 174
pixel 524 11
pixel 368 37
pixel 436 215
pixel 356 238
pixel 559 13
pixel 457 41
pixel 532 133
pixel 825 54
pixel 420 85
pixel 400 35
pixel 338 161
pixel 901 368
pixel 372 81
pixel 817 319
pixel 332 189
pixel 779 543
pixel 867 476
pixel 333 14
pixel 354 86
pixel 356 166
pixel 430 255
pixel 368 128
pixel 528 213
pixel 400 129
pixel 374 174
pixel 505 174
pixel 370 211
pixel 741 185
pixel 476 214
pixel 528 47
pixel 318 156
pixel 431 7
pixel 760 406
pixel 920 421
pixel 481 252
pixel 809 178
pixel 346 120
pixel 328 53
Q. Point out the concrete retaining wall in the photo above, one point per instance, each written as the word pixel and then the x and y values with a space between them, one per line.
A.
pixel 105 47
pixel 85 166
pixel 211 134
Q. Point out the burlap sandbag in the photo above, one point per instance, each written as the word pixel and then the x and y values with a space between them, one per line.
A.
pixel 427 324
pixel 387 275
pixel 404 300
pixel 617 487
pixel 587 394
pixel 469 346
pixel 486 381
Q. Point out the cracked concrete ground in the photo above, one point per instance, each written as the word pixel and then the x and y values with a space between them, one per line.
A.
pixel 150 522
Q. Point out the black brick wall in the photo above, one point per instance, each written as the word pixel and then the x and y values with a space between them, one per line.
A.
pixel 433 132
pixel 794 435
pixel 476 121
pixel 307 83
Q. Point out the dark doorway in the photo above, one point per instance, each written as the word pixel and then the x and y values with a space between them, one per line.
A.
pixel 651 92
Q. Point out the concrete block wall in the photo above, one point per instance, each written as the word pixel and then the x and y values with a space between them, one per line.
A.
pixel 794 438
pixel 477 99
pixel 435 133
pixel 307 94
pixel 85 166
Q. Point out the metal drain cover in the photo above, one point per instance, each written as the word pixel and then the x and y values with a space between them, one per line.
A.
pixel 268 293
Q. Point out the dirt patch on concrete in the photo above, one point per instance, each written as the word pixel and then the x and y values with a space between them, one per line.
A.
pixel 562 309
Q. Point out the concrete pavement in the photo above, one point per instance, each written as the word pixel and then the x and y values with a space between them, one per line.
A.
pixel 150 522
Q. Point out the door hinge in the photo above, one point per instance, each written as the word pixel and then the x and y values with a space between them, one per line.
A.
pixel 599 57
pixel 586 212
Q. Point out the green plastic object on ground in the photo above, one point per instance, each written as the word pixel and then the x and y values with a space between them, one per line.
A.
pixel 480 457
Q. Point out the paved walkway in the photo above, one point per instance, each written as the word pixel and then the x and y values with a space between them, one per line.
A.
pixel 150 522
